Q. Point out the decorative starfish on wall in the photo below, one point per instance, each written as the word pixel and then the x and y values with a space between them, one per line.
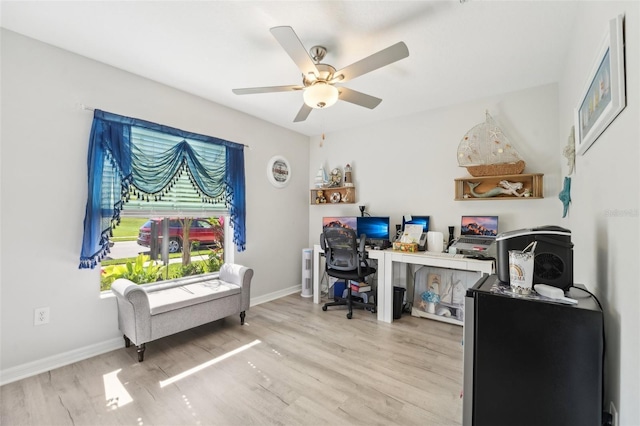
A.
pixel 565 195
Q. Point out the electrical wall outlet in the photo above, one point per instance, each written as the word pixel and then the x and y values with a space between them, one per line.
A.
pixel 614 414
pixel 41 316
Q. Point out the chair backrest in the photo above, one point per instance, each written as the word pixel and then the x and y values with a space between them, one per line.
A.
pixel 341 248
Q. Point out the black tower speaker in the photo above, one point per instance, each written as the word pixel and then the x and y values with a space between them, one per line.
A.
pixel 553 259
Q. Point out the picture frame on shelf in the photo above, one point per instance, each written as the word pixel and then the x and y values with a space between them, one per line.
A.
pixel 603 96
pixel 279 171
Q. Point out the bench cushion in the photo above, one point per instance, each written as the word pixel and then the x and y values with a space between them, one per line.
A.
pixel 170 299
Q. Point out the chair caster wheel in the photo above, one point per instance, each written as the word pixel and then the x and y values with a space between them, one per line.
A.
pixel 324 308
pixel 349 315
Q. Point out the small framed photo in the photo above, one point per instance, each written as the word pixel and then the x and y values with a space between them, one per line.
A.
pixel 603 96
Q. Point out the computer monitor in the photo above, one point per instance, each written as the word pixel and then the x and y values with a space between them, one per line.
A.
pixel 417 220
pixel 342 221
pixel 484 226
pixel 374 227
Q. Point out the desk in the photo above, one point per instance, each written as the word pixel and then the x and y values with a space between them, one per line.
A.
pixel 386 260
pixel 423 259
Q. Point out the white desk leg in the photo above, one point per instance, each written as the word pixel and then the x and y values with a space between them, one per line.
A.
pixel 382 291
pixel 316 274
pixel 387 287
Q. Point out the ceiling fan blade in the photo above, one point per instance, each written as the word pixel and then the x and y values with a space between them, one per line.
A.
pixel 378 60
pixel 295 49
pixel 303 113
pixel 253 90
pixel 358 98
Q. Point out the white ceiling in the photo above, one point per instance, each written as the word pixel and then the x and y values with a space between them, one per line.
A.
pixel 457 51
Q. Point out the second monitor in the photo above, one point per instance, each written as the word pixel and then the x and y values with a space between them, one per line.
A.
pixel 376 230
pixel 416 220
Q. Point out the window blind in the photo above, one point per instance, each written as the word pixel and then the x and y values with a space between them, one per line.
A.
pixel 181 199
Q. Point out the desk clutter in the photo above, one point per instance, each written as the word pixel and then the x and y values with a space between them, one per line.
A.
pixel 439 292
pixel 408 247
pixel 362 291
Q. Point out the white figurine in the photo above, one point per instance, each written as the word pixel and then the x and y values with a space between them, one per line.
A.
pixel 321 178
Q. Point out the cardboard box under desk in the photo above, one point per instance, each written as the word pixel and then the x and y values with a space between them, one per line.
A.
pixel 408 247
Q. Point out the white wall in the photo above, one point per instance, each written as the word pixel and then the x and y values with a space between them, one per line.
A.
pixel 604 214
pixel 44 181
pixel 408 165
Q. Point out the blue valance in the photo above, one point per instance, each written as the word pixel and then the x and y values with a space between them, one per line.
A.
pixel 117 164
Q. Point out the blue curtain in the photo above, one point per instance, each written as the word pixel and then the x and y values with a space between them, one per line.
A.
pixel 116 165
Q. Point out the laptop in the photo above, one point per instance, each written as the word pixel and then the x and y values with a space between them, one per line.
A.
pixel 477 233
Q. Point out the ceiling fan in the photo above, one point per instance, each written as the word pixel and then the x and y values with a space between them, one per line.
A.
pixel 318 80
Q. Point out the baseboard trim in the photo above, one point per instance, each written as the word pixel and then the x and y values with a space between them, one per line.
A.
pixel 60 360
pixel 275 295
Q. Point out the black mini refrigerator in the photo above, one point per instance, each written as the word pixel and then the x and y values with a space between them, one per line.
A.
pixel 529 360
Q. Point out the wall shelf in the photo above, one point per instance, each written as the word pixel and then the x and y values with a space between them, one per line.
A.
pixel 334 195
pixel 531 183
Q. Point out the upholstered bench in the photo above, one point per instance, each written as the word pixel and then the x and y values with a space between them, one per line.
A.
pixel 150 311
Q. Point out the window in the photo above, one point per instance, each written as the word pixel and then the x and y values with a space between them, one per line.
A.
pixel 133 243
pixel 139 169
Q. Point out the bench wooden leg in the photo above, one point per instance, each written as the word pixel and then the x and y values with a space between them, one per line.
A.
pixel 242 315
pixel 127 341
pixel 141 349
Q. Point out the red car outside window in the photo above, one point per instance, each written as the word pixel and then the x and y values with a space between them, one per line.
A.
pixel 201 230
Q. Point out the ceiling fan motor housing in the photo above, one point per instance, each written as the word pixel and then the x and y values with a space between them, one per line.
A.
pixel 318 53
pixel 326 73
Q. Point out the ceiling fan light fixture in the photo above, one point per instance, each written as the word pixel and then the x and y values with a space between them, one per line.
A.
pixel 320 95
pixel 318 79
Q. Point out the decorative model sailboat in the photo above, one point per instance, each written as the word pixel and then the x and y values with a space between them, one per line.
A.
pixel 486 151
pixel 321 179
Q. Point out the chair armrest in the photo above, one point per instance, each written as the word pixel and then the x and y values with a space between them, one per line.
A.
pixel 122 287
pixel 131 292
pixel 362 254
pixel 134 313
pixel 241 276
pixel 361 250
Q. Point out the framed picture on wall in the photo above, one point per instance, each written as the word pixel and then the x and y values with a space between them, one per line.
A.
pixel 603 96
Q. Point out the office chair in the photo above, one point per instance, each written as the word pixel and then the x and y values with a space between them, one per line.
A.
pixel 346 260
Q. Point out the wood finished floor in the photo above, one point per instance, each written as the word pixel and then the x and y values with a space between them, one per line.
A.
pixel 305 367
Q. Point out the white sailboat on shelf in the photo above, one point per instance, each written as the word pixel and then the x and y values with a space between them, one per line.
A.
pixel 321 179
pixel 486 151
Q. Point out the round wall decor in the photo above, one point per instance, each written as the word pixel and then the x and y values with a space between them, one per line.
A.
pixel 278 171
